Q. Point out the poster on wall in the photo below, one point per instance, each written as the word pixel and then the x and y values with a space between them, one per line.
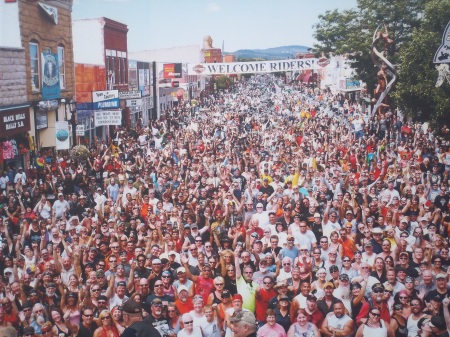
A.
pixel 41 119
pixel 62 135
pixel 50 76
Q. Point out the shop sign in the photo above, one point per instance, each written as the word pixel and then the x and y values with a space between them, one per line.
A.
pixel 80 130
pixel 107 99
pixel 14 121
pixel 62 135
pixel 113 117
pixel 129 94
pixel 134 102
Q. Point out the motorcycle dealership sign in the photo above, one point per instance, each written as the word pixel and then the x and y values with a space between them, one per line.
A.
pixel 252 67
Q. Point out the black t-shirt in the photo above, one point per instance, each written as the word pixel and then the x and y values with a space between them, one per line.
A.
pixel 160 324
pixel 85 332
pixel 142 329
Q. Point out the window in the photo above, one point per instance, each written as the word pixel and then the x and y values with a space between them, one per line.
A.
pixel 119 71
pixel 34 66
pixel 62 67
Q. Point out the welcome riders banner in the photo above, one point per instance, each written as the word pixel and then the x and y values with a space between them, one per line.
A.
pixel 252 67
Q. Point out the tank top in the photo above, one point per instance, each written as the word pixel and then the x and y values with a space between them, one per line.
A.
pixel 338 323
pixel 411 324
pixel 62 333
pixel 380 331
pixel 402 330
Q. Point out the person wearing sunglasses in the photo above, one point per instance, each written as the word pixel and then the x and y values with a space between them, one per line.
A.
pixel 87 326
pixel 189 329
pixel 107 325
pixel 377 299
pixel 374 326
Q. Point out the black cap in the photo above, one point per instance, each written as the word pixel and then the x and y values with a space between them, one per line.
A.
pixel 131 307
pixel 311 298
pixel 121 284
pixel 438 322
pixel 103 298
pixel 377 286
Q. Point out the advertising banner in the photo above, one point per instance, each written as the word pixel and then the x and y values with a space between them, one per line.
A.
pixel 252 67
pixel 107 99
pixel 14 121
pixel 108 118
pixel 62 135
pixel 172 70
pixel 50 76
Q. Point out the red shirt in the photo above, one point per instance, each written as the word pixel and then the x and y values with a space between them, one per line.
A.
pixel 204 287
pixel 262 303
pixel 184 308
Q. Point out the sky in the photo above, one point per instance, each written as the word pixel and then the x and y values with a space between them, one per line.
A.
pixel 239 24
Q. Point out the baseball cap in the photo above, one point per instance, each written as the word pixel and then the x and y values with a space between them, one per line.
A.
pixel 343 277
pixel 181 270
pixel 121 284
pixel 311 298
pixel 237 297
pixel 316 215
pixel 441 275
pixel 226 293
pixel 131 307
pixel 244 316
pixel 438 322
pixel 156 301
pixel 181 288
pixel 100 273
pixel 328 284
pixel 377 286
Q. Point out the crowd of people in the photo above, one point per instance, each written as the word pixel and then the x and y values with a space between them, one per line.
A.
pixel 274 210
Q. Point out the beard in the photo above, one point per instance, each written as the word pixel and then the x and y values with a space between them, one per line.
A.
pixel 378 298
pixel 40 319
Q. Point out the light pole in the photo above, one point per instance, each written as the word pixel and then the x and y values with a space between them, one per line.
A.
pixel 73 109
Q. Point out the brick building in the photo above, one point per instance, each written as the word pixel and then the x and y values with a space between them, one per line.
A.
pixel 46 28
pixel 37 32
pixel 101 65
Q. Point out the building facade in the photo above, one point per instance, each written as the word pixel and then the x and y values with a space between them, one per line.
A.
pixel 37 76
pixel 101 62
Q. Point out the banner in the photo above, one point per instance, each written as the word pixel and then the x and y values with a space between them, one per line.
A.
pixel 442 54
pixel 107 99
pixel 108 117
pixel 252 67
pixel 172 70
pixel 62 135
pixel 50 76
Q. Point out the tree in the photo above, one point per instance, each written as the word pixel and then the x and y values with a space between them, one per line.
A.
pixel 416 92
pixel 350 32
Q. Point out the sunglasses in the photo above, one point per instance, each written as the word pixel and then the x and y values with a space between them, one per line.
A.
pixel 375 314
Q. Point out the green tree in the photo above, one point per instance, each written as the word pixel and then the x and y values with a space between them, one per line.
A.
pixel 416 92
pixel 350 32
pixel 223 82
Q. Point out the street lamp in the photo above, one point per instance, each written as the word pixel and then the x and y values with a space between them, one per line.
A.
pixel 73 109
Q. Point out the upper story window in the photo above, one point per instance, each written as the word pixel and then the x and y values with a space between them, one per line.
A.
pixel 62 67
pixel 34 66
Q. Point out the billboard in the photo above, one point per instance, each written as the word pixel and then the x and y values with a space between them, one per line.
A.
pixel 172 70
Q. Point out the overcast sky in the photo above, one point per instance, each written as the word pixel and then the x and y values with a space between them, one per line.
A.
pixel 241 24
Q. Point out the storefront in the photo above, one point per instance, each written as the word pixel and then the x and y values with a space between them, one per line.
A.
pixel 16 142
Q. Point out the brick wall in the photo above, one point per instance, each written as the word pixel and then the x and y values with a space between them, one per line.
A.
pixel 12 77
pixel 36 25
